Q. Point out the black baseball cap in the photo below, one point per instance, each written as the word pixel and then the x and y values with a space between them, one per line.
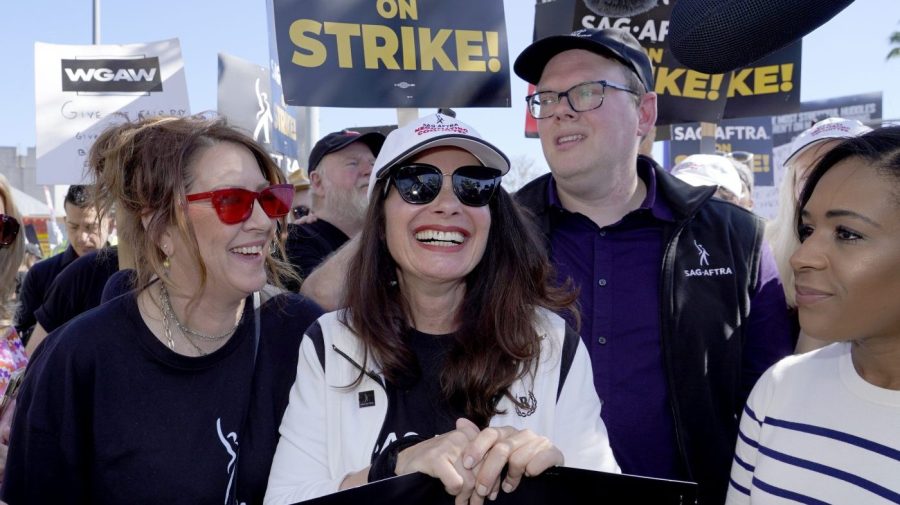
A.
pixel 336 141
pixel 609 42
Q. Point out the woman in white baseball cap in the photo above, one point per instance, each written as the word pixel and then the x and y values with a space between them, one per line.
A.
pixel 449 359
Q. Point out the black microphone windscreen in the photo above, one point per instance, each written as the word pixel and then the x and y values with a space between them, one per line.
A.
pixel 717 36
pixel 619 8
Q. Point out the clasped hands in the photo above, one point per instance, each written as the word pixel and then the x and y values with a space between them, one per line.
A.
pixel 469 462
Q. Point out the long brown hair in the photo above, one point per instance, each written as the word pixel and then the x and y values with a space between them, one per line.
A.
pixel 144 168
pixel 496 342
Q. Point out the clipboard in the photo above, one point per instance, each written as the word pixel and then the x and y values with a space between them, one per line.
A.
pixel 559 485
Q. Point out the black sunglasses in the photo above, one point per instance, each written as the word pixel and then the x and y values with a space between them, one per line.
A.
pixel 9 229
pixel 420 183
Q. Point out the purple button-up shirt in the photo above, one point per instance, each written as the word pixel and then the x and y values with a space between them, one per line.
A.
pixel 617 269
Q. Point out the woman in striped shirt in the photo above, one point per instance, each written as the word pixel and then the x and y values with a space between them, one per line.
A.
pixel 824 427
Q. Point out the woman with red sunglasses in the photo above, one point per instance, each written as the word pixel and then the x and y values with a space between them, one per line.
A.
pixel 449 359
pixel 173 391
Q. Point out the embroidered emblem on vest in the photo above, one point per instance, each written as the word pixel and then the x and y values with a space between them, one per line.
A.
pixel 528 404
pixel 704 254
pixel 704 262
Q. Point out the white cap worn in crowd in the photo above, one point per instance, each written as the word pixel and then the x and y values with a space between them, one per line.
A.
pixel 826 129
pixel 435 130
pixel 709 170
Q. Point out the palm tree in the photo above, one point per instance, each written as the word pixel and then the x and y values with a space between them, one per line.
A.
pixel 895 41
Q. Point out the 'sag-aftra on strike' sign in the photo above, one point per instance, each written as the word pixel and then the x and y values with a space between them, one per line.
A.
pixel 81 90
pixel 393 53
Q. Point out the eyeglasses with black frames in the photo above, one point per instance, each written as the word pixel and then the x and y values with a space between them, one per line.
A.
pixel 581 97
pixel 235 205
pixel 420 183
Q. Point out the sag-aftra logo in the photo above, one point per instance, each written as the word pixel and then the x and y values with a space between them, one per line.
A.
pixel 703 261
pixel 139 75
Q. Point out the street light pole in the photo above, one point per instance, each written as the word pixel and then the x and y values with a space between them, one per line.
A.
pixel 96 39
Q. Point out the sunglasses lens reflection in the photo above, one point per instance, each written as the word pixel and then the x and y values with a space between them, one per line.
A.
pixel 475 186
pixel 420 183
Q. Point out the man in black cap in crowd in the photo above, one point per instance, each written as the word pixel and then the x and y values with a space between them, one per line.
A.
pixel 339 168
pixel 681 305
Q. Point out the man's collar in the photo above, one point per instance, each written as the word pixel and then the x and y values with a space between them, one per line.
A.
pixel 645 171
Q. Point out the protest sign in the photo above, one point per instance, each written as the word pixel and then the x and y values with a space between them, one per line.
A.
pixel 768 138
pixel 393 53
pixel 80 90
pixel 769 86
pixel 745 136
pixel 245 98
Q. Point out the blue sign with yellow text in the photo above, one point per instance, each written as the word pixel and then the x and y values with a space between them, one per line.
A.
pixel 393 53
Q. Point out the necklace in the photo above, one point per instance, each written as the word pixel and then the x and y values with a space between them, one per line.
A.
pixel 169 312
pixel 171 343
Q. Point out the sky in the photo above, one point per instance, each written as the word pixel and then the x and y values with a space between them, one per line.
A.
pixel 846 56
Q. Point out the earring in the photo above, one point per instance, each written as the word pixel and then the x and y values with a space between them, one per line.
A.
pixel 166 263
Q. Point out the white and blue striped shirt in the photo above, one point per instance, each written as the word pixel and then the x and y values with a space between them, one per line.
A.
pixel 815 432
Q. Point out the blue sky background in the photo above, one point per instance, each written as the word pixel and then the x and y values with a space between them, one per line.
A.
pixel 846 56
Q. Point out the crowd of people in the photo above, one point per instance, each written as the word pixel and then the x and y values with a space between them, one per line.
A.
pixel 246 345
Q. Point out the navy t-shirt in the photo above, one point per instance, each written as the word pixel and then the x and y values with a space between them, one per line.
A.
pixel 35 286
pixel 77 288
pixel 109 414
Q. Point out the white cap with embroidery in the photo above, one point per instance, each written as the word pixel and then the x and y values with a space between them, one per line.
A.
pixel 826 129
pixel 435 130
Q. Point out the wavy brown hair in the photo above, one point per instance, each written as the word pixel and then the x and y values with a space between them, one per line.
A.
pixel 143 168
pixel 496 342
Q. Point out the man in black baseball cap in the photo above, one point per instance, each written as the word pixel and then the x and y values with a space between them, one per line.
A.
pixel 335 141
pixel 339 168
pixel 610 43
pixel 680 317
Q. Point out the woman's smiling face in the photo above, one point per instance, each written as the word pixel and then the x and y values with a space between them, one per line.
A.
pixel 443 240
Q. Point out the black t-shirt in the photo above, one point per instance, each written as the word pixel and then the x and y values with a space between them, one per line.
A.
pixel 35 287
pixel 119 283
pixel 109 414
pixel 416 405
pixel 307 245
pixel 77 288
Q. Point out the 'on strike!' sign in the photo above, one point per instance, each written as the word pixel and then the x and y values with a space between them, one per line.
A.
pixel 393 53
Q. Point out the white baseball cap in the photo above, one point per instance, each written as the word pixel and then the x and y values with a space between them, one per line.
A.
pixel 826 129
pixel 435 130
pixel 709 170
